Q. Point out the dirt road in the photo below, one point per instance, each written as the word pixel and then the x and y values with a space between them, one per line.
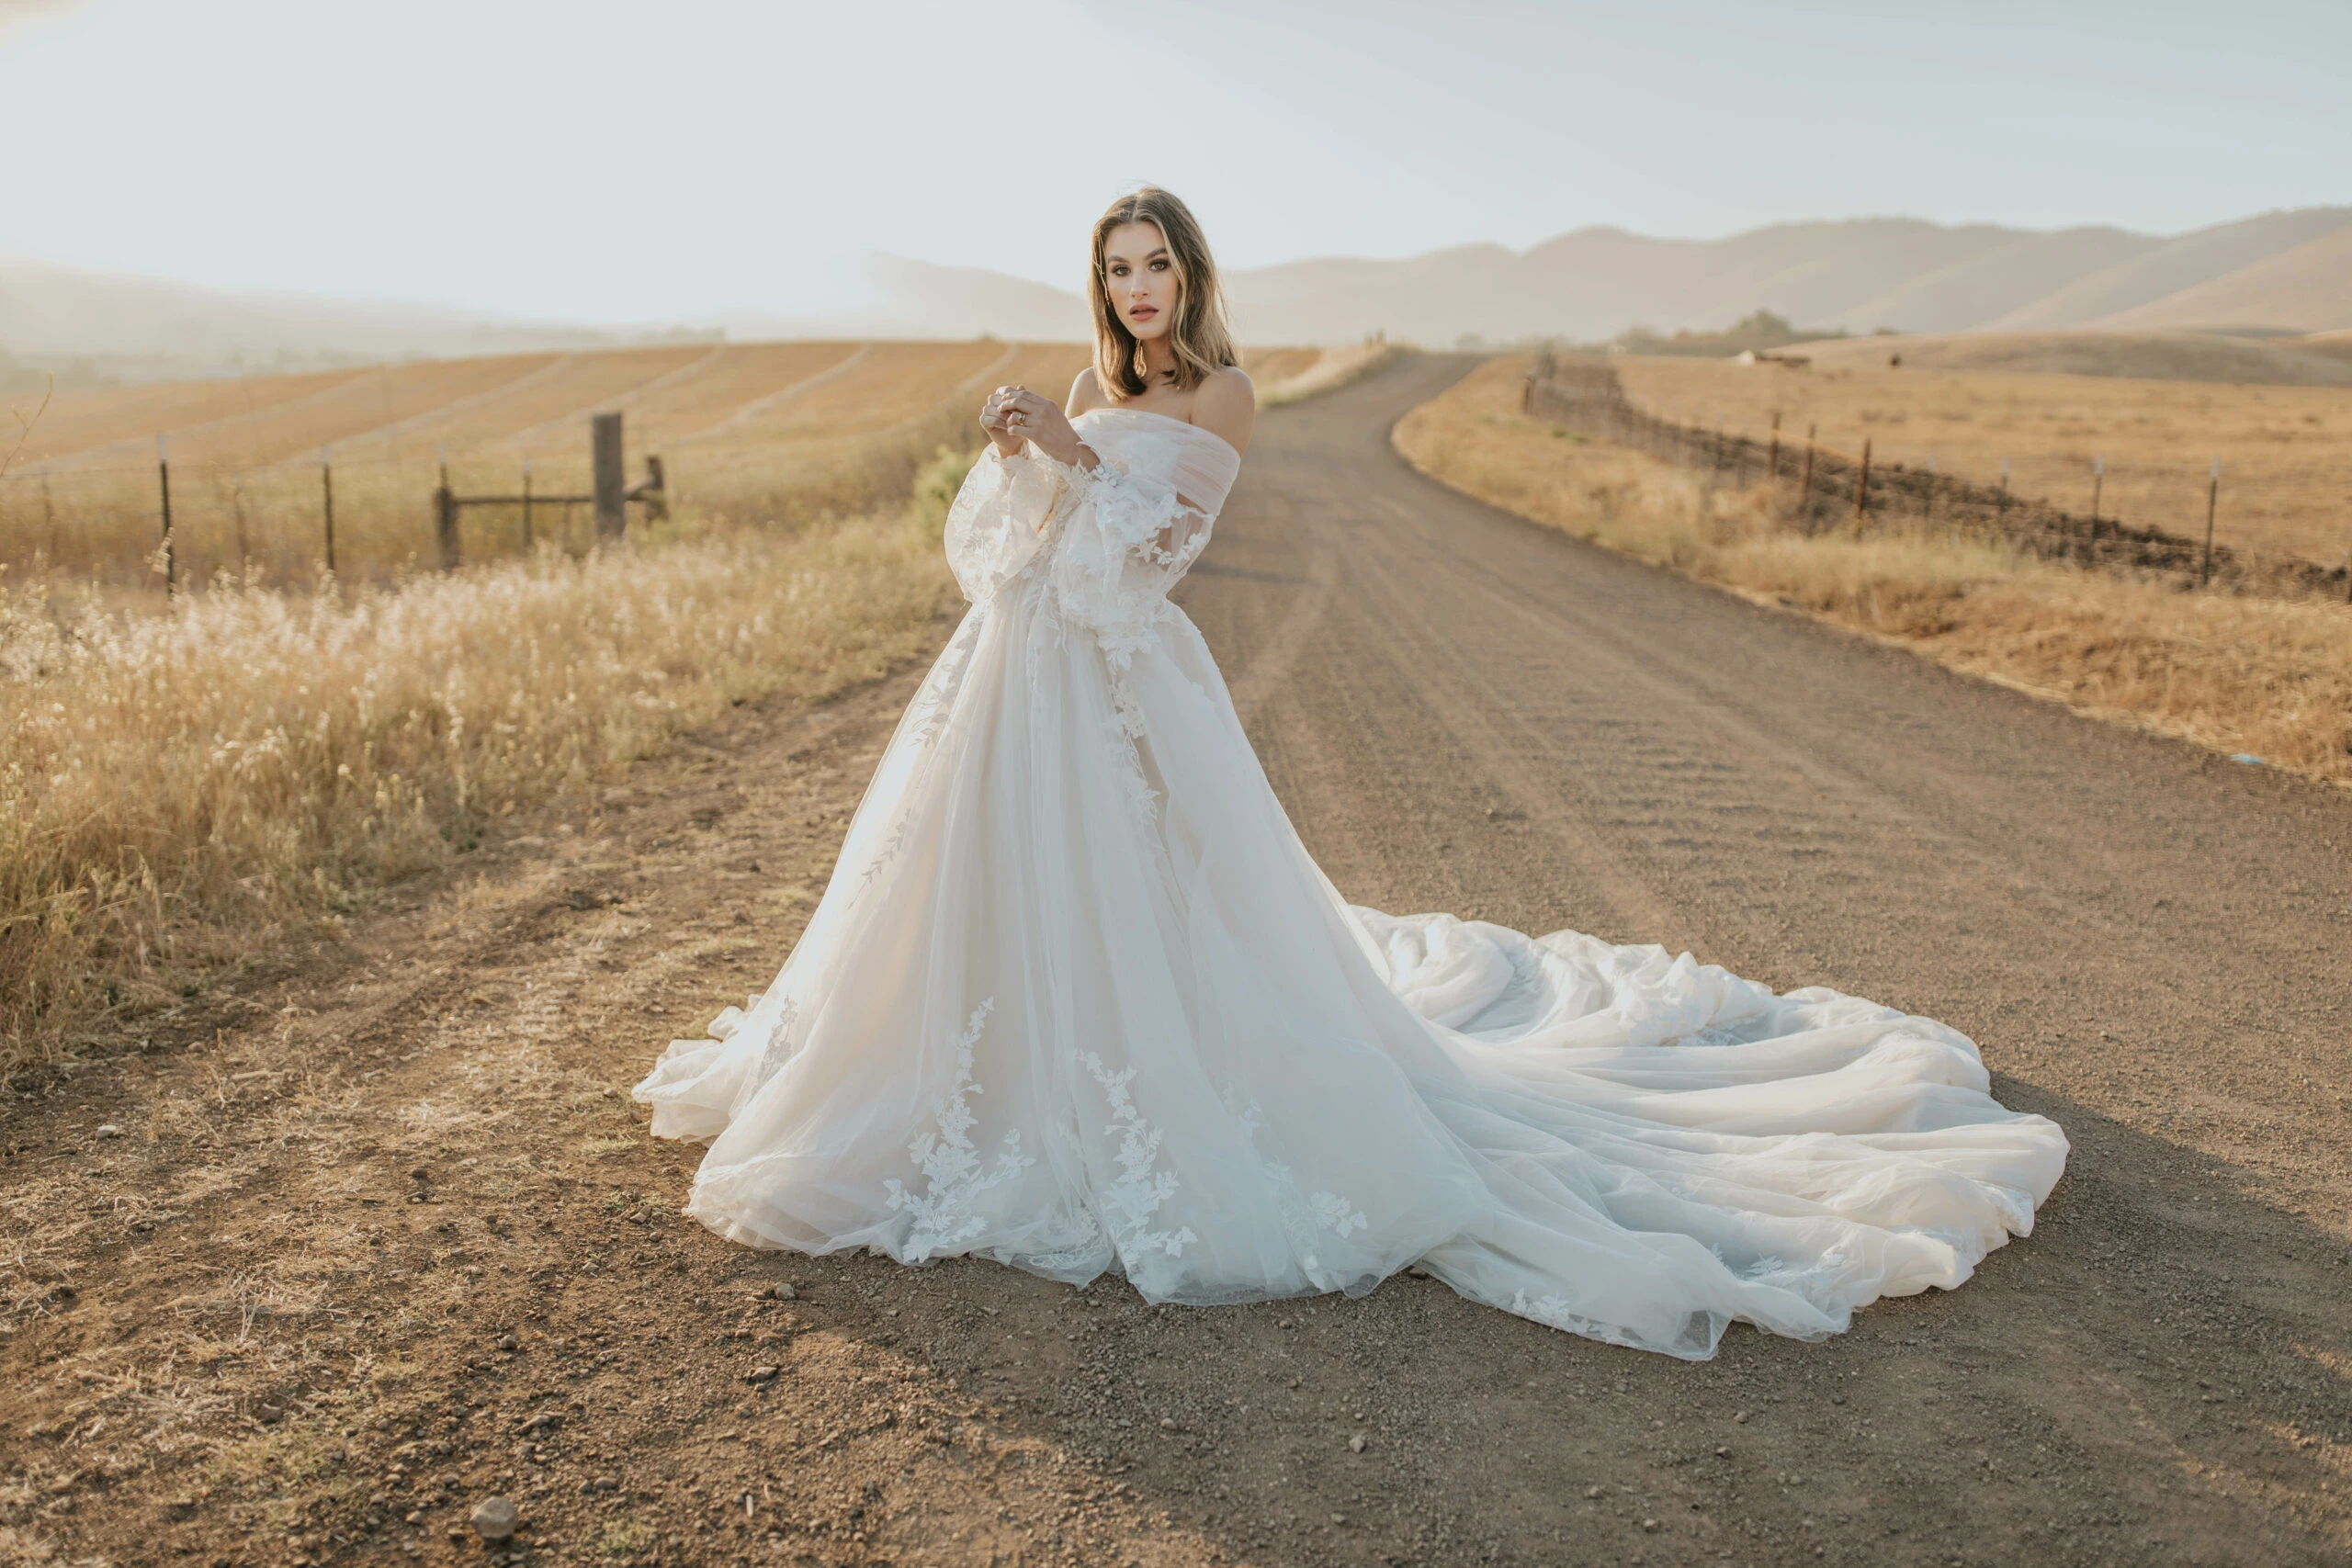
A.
pixel 378 1233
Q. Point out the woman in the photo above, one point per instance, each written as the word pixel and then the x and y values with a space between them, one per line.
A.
pixel 1077 998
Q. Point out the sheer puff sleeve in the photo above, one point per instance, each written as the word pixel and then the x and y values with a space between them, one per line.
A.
pixel 1137 522
pixel 999 520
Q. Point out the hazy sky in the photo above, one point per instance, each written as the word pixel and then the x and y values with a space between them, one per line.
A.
pixel 594 159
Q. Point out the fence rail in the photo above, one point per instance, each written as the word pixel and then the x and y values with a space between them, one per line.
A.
pixel 1828 488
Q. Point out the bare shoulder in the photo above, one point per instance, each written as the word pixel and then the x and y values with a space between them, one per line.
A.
pixel 1085 392
pixel 1226 405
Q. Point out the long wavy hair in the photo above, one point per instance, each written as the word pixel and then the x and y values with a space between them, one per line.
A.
pixel 1202 342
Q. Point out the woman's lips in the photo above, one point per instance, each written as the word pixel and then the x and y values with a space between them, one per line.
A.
pixel 1143 312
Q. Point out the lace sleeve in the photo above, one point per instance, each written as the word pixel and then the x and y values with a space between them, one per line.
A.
pixel 999 520
pixel 1125 544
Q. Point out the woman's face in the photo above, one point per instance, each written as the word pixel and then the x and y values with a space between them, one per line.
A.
pixel 1139 276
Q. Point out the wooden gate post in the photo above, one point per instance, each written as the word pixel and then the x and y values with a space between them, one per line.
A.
pixel 1805 487
pixel 612 482
pixel 444 517
pixel 2212 502
pixel 163 481
pixel 1862 489
pixel 326 500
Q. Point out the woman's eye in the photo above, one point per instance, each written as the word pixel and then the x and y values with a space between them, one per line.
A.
pixel 1160 266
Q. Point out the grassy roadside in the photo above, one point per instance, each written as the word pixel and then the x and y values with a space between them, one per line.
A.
pixel 179 792
pixel 2261 677
pixel 1331 370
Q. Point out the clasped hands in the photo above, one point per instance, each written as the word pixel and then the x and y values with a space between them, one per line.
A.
pixel 1012 415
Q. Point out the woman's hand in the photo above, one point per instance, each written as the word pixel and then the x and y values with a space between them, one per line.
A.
pixel 1013 414
pixel 1006 437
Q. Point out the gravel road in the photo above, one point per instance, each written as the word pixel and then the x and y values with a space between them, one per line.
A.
pixel 306 1269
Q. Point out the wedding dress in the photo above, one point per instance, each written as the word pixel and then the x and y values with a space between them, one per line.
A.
pixel 1076 999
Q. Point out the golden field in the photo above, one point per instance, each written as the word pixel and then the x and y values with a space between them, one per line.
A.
pixel 2286 451
pixel 750 433
pixel 2269 677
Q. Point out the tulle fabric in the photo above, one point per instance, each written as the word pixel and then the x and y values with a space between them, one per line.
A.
pixel 1076 999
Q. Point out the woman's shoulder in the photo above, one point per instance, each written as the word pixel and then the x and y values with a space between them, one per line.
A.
pixel 1225 405
pixel 1085 392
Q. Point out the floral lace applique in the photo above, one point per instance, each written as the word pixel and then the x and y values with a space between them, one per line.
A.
pixel 780 1045
pixel 889 851
pixel 1140 1192
pixel 1123 704
pixel 928 717
pixel 1553 1311
pixel 945 1214
pixel 1327 1210
pixel 1143 801
pixel 1338 1215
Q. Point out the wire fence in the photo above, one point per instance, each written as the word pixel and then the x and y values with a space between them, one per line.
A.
pixel 1828 489
pixel 374 515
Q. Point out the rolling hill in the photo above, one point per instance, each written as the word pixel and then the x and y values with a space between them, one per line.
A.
pixel 2287 271
pixel 2306 288
pixel 2278 273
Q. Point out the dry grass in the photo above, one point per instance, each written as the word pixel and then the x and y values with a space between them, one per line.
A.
pixel 1328 369
pixel 179 792
pixel 2267 677
pixel 749 432
pixel 2286 452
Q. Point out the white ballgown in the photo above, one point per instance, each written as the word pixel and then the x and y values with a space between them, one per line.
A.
pixel 1078 999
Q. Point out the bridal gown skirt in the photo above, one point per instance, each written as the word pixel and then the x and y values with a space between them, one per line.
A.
pixel 1076 999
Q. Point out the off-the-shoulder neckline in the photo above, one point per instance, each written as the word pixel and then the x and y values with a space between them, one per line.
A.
pixel 1171 419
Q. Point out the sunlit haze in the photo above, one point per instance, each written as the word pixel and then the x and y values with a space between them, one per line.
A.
pixel 612 163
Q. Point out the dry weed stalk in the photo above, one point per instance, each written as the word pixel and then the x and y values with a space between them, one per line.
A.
pixel 25 423
pixel 2267 677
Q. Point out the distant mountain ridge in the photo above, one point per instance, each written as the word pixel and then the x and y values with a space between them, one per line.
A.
pixel 1860 275
pixel 2287 272
pixel 2280 272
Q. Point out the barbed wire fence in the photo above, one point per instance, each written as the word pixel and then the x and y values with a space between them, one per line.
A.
pixel 1828 489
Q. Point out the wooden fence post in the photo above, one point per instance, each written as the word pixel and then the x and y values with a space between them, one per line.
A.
pixel 612 482
pixel 326 500
pixel 1806 485
pixel 444 517
pixel 2212 500
pixel 2001 507
pixel 163 481
pixel 2099 483
pixel 527 506
pixel 1862 489
pixel 1773 463
pixel 1928 512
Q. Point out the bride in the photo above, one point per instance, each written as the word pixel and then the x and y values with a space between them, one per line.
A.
pixel 1077 998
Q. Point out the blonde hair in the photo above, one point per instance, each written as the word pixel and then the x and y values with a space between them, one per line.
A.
pixel 1199 336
